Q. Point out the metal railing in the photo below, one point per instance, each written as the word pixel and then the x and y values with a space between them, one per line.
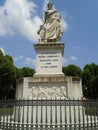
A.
pixel 50 114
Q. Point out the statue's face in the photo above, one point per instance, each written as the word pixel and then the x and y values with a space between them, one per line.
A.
pixel 50 6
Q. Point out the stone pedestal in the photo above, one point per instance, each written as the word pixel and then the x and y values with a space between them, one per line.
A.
pixel 49 80
pixel 48 83
pixel 49 58
pixel 49 87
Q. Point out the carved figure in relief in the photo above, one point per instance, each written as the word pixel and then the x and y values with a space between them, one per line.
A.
pixel 51 30
pixel 45 92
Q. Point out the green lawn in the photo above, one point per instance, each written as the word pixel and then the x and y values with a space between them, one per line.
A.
pixel 6 111
pixel 91 111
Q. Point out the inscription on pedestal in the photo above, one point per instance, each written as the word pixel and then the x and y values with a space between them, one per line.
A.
pixel 49 59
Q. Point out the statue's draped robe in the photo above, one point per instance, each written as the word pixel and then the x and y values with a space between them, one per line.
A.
pixel 52 25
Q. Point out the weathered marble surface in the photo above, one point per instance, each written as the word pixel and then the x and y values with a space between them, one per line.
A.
pixel 47 92
pixel 49 58
pixel 49 87
pixel 51 29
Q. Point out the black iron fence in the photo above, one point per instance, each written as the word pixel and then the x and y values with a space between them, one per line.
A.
pixel 47 114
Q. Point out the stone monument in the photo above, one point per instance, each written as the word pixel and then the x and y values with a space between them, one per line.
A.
pixel 49 50
pixel 49 82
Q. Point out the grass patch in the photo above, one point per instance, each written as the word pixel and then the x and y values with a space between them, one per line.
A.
pixel 6 111
pixel 91 111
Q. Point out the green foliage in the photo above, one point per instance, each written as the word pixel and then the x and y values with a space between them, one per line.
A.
pixel 5 111
pixel 91 111
pixel 26 71
pixel 72 70
pixel 8 75
pixel 90 80
pixel 9 59
pixel 18 73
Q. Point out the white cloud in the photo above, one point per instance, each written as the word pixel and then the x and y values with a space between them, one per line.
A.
pixel 2 51
pixel 64 61
pixel 64 25
pixel 30 61
pixel 73 58
pixel 19 15
pixel 45 5
pixel 18 58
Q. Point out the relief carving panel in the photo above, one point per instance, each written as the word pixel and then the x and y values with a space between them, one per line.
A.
pixel 47 92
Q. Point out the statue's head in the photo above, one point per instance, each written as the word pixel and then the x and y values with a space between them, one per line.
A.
pixel 50 5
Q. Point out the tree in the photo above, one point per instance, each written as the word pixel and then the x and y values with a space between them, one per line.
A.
pixel 7 75
pixel 72 70
pixel 9 59
pixel 27 72
pixel 90 80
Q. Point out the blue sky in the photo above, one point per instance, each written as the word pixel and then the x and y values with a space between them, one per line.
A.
pixel 20 20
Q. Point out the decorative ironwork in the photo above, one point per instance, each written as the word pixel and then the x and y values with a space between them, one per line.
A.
pixel 50 114
pixel 52 102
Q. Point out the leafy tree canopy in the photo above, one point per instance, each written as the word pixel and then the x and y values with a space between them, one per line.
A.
pixel 72 70
pixel 90 80
pixel 8 75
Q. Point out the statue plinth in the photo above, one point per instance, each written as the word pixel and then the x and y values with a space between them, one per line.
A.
pixel 49 58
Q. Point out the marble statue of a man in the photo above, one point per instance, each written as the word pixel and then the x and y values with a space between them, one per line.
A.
pixel 51 30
